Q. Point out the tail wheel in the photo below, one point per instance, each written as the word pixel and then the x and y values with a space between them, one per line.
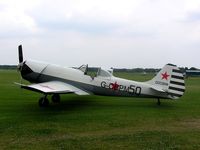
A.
pixel 43 102
pixel 158 102
pixel 56 98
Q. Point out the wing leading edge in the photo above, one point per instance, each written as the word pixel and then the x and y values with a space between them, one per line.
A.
pixel 54 87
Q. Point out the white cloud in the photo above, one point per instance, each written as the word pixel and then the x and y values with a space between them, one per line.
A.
pixel 14 19
pixel 119 33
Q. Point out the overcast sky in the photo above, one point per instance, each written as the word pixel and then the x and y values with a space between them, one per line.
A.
pixel 108 33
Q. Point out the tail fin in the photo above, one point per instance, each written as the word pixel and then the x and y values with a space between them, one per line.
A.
pixel 169 80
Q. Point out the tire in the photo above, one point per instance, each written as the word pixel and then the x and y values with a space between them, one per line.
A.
pixel 55 98
pixel 43 102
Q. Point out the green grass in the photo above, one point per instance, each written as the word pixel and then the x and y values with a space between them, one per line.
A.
pixel 98 122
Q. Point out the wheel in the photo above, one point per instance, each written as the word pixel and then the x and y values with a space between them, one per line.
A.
pixel 158 102
pixel 56 98
pixel 43 102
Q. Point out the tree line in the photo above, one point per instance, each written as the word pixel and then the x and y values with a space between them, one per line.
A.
pixel 133 70
pixel 6 67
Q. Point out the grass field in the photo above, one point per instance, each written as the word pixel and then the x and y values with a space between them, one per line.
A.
pixel 96 122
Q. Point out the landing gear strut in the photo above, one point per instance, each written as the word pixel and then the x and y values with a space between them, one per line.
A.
pixel 43 101
pixel 55 98
pixel 158 102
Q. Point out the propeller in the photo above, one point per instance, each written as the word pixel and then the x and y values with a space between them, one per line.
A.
pixel 20 53
pixel 20 65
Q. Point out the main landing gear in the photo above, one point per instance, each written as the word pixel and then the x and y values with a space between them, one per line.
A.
pixel 55 98
pixel 44 102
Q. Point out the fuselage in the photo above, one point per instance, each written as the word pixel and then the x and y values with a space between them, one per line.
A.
pixel 103 84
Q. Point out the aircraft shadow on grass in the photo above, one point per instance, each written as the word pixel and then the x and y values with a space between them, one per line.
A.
pixel 84 103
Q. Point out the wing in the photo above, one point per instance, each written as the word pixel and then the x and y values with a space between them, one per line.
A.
pixel 53 87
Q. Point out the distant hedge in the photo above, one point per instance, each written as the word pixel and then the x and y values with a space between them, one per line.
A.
pixel 8 67
pixel 134 70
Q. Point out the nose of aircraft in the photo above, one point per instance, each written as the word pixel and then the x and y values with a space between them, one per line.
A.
pixel 22 66
pixel 25 69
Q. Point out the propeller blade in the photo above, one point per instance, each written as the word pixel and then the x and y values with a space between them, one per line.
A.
pixel 20 54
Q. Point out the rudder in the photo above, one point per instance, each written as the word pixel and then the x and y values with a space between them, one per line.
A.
pixel 170 80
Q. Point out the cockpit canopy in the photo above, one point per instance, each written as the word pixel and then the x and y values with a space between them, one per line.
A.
pixel 96 72
pixel 84 68
pixel 104 73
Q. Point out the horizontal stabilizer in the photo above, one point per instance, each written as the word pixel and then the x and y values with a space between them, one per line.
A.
pixel 157 89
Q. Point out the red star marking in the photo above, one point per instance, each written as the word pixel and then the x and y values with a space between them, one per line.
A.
pixel 115 86
pixel 165 76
